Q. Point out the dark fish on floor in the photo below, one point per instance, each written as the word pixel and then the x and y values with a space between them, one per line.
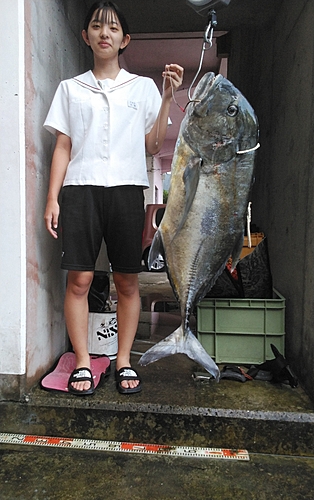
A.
pixel 203 225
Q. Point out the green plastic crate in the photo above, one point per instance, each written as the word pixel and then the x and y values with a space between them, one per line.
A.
pixel 241 330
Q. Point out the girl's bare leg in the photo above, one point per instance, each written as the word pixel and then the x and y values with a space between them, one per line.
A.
pixel 128 312
pixel 76 316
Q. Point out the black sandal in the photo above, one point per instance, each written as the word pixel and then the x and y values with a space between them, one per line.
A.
pixel 127 373
pixel 81 375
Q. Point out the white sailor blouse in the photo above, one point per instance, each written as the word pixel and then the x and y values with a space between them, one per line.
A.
pixel 107 122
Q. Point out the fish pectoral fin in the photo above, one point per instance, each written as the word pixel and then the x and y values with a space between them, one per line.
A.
pixel 236 252
pixel 191 178
pixel 181 343
pixel 157 248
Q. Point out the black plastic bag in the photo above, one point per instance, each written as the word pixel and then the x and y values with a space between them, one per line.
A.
pixel 99 292
pixel 253 277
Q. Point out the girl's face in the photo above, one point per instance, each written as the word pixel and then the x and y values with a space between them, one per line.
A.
pixel 105 35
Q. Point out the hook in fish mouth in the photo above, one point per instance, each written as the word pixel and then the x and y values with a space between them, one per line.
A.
pixel 206 84
pixel 204 90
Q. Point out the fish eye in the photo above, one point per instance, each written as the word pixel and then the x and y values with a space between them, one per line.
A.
pixel 232 110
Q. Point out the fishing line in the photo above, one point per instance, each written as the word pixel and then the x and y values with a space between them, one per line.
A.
pixel 208 39
pixel 198 71
pixel 174 100
pixel 173 95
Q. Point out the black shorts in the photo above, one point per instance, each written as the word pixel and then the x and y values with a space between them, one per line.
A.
pixel 91 213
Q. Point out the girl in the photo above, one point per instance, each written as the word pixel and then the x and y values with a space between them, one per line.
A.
pixel 103 121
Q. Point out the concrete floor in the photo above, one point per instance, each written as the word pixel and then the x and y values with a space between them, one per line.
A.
pixel 64 475
pixel 274 423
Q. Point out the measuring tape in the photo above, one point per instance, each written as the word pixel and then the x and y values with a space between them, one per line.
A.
pixel 121 446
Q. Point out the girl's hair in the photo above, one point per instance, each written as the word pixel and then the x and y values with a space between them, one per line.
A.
pixel 104 11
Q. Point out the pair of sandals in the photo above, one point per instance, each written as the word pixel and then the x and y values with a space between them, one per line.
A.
pixel 85 375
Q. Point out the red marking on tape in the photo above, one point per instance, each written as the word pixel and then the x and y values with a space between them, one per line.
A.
pixel 151 448
pixel 43 440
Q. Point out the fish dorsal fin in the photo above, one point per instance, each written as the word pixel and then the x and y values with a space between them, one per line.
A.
pixel 191 178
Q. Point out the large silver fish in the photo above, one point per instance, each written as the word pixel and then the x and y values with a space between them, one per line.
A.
pixel 203 225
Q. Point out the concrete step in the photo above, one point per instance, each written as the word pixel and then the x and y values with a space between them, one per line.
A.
pixel 174 409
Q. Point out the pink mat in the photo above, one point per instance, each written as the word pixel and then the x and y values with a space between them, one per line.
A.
pixel 57 380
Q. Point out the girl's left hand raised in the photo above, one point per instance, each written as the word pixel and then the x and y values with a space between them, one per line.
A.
pixel 173 77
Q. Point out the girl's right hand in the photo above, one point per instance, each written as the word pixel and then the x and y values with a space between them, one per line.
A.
pixel 51 217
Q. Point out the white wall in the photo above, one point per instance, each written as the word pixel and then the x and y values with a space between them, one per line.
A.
pixel 32 331
pixel 54 51
pixel 12 191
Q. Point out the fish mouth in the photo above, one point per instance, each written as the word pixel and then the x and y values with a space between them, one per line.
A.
pixel 207 82
pixel 204 89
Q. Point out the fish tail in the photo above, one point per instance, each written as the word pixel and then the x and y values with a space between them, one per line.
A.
pixel 181 343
